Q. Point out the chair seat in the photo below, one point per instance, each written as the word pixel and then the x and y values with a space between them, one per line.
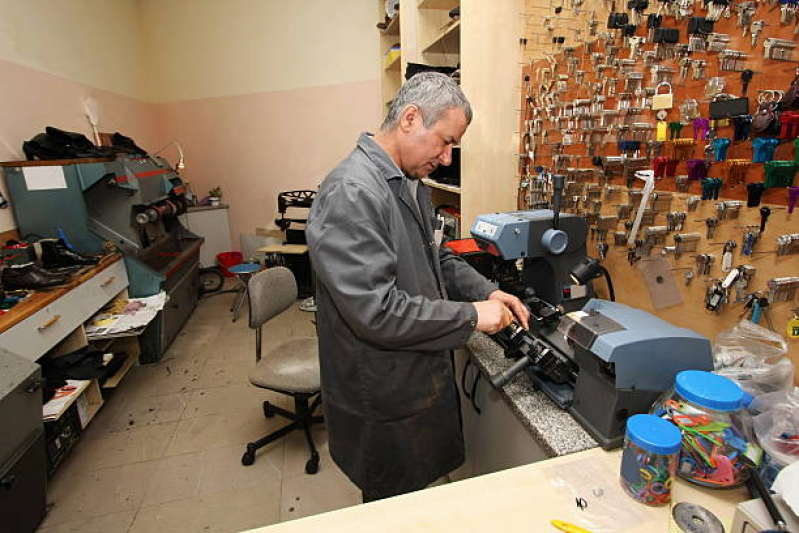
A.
pixel 292 366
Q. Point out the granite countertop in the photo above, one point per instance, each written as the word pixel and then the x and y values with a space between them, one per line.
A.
pixel 551 426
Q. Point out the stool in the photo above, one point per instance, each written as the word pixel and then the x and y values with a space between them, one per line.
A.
pixel 243 273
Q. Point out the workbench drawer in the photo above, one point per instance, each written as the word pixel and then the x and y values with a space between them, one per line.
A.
pixel 35 335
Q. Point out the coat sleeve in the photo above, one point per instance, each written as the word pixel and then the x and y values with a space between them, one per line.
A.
pixel 463 282
pixel 352 253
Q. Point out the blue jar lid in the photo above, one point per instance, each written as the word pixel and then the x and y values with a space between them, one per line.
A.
pixel 709 390
pixel 653 434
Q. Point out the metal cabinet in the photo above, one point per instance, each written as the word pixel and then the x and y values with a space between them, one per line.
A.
pixel 495 438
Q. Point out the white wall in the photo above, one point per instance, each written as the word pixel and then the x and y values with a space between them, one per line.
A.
pixel 94 42
pixel 209 48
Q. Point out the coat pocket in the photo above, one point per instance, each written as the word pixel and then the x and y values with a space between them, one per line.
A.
pixel 402 384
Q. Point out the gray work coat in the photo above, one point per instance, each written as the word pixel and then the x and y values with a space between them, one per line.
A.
pixel 391 306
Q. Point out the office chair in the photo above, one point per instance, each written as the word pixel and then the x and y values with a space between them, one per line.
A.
pixel 291 368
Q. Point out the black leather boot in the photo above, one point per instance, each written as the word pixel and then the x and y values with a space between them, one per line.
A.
pixel 30 277
pixel 55 254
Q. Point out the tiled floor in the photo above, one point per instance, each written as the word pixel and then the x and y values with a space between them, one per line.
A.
pixel 163 455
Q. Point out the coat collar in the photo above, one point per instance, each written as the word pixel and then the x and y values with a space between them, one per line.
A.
pixel 388 168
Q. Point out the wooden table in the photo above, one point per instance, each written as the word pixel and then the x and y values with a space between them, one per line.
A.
pixel 291 249
pixel 40 299
pixel 526 498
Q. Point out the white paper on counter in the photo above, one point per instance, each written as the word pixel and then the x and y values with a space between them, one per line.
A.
pixel 787 486
pixel 44 178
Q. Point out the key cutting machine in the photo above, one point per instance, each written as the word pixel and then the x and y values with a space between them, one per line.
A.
pixel 133 202
pixel 600 360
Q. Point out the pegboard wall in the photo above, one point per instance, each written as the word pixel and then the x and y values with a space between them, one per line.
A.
pixel 586 92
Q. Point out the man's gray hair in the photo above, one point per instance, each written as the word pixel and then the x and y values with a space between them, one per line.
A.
pixel 433 93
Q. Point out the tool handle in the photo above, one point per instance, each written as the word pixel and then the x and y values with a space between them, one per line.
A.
pixel 768 501
pixel 500 380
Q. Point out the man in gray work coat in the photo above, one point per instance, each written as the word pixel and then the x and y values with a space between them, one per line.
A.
pixel 392 303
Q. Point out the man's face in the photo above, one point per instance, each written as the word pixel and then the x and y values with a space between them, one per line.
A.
pixel 423 149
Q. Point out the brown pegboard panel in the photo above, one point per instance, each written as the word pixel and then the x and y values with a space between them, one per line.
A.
pixel 769 75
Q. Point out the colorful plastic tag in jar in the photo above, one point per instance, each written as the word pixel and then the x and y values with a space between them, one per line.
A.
pixel 707 409
pixel 649 459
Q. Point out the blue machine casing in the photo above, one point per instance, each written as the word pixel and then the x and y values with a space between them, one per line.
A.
pixel 647 342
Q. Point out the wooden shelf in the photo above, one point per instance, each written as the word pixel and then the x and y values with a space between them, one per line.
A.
pixel 448 41
pixel 442 187
pixel 395 64
pixel 393 27
pixel 114 380
pixel 439 4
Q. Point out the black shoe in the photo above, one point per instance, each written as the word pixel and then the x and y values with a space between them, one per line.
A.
pixel 30 277
pixel 55 254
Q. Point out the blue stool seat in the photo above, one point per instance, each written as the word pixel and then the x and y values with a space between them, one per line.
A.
pixel 243 273
pixel 245 268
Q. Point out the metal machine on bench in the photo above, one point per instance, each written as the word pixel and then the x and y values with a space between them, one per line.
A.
pixel 600 360
pixel 133 202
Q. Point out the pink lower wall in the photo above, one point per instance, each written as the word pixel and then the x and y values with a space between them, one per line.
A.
pixel 30 100
pixel 257 145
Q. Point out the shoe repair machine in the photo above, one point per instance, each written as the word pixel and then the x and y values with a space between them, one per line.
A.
pixel 133 202
pixel 600 360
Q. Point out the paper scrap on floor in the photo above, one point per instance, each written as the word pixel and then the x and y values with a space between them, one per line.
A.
pixel 138 312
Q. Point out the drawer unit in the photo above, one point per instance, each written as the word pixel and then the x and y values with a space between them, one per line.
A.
pixel 23 482
pixel 35 335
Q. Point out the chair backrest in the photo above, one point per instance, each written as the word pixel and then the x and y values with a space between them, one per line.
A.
pixel 272 291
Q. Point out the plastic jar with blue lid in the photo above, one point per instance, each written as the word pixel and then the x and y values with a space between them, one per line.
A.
pixel 649 459
pixel 708 411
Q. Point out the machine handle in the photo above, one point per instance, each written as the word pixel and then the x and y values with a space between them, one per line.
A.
pixel 108 282
pixel 500 380
pixel 49 323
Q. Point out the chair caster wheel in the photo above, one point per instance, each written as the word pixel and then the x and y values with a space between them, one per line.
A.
pixel 249 457
pixel 268 411
pixel 312 466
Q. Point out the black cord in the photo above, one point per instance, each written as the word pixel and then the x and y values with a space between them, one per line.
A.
pixel 611 292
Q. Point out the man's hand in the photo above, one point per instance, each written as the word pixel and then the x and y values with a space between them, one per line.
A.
pixel 514 304
pixel 492 316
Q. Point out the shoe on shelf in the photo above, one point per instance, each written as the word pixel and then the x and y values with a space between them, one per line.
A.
pixel 31 277
pixel 308 305
pixel 54 253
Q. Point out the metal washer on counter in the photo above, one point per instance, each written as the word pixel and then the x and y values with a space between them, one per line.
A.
pixel 692 518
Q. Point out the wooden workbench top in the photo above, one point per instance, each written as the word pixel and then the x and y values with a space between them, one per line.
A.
pixel 41 299
pixel 526 498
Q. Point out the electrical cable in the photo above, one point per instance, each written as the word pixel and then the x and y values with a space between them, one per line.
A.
pixel 606 274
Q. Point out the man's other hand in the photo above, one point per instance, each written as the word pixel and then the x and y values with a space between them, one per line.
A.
pixel 520 311
pixel 492 316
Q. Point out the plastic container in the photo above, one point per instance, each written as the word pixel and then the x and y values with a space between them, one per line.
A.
pixel 708 410
pixel 227 260
pixel 649 460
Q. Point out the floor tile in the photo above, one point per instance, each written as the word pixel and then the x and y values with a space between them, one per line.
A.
pixel 325 491
pixel 166 377
pixel 297 453
pixel 87 495
pixel 217 431
pixel 149 410
pixel 223 512
pixel 211 471
pixel 216 374
pixel 112 523
pixel 95 451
